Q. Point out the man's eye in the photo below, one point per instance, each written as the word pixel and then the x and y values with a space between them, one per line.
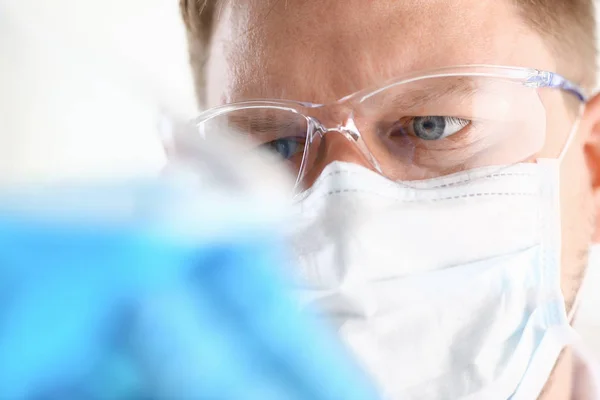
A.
pixel 285 147
pixel 433 127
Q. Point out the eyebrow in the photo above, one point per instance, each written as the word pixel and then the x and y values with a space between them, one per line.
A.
pixel 268 124
pixel 418 98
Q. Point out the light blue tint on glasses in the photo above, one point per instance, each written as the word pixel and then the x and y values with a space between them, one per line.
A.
pixel 556 81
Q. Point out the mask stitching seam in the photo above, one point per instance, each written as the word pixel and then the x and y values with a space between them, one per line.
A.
pixel 470 195
pixel 445 185
pixel 486 177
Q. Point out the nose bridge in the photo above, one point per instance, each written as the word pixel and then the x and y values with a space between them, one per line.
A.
pixel 337 139
pixel 332 117
pixel 347 128
pixel 336 118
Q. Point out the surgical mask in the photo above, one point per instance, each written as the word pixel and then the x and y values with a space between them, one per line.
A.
pixel 447 289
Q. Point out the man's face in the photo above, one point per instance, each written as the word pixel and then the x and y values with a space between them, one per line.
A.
pixel 322 50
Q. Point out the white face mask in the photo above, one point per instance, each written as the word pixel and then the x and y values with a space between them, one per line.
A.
pixel 446 290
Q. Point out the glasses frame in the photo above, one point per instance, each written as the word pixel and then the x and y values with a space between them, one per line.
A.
pixel 528 77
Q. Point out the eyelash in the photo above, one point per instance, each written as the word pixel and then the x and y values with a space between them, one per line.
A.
pixel 452 119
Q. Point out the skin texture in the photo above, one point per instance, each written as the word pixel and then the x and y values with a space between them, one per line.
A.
pixel 322 50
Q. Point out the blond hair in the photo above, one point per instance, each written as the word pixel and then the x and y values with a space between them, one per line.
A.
pixel 568 25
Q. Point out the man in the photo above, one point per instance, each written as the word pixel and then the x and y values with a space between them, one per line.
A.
pixel 423 60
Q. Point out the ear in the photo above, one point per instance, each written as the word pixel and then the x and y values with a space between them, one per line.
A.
pixel 590 124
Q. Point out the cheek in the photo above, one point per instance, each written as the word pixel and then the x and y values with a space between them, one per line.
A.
pixel 576 218
pixel 576 201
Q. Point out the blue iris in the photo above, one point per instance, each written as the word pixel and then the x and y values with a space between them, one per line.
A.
pixel 285 147
pixel 429 128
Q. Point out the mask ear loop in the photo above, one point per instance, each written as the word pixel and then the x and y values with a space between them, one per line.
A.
pixel 559 159
pixel 572 134
pixel 575 305
pixel 570 138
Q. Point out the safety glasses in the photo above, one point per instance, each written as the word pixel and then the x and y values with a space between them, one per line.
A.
pixel 420 126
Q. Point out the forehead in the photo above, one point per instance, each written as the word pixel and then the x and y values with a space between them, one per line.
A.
pixel 322 50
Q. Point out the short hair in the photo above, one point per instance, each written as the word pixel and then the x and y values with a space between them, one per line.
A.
pixel 199 18
pixel 568 26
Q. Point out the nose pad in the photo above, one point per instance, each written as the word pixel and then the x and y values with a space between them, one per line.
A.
pixel 332 145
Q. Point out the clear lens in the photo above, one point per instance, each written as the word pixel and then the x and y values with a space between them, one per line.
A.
pixel 280 132
pixel 437 126
pixel 420 129
pixel 566 109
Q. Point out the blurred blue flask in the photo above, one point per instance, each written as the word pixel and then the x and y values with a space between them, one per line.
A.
pixel 155 290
